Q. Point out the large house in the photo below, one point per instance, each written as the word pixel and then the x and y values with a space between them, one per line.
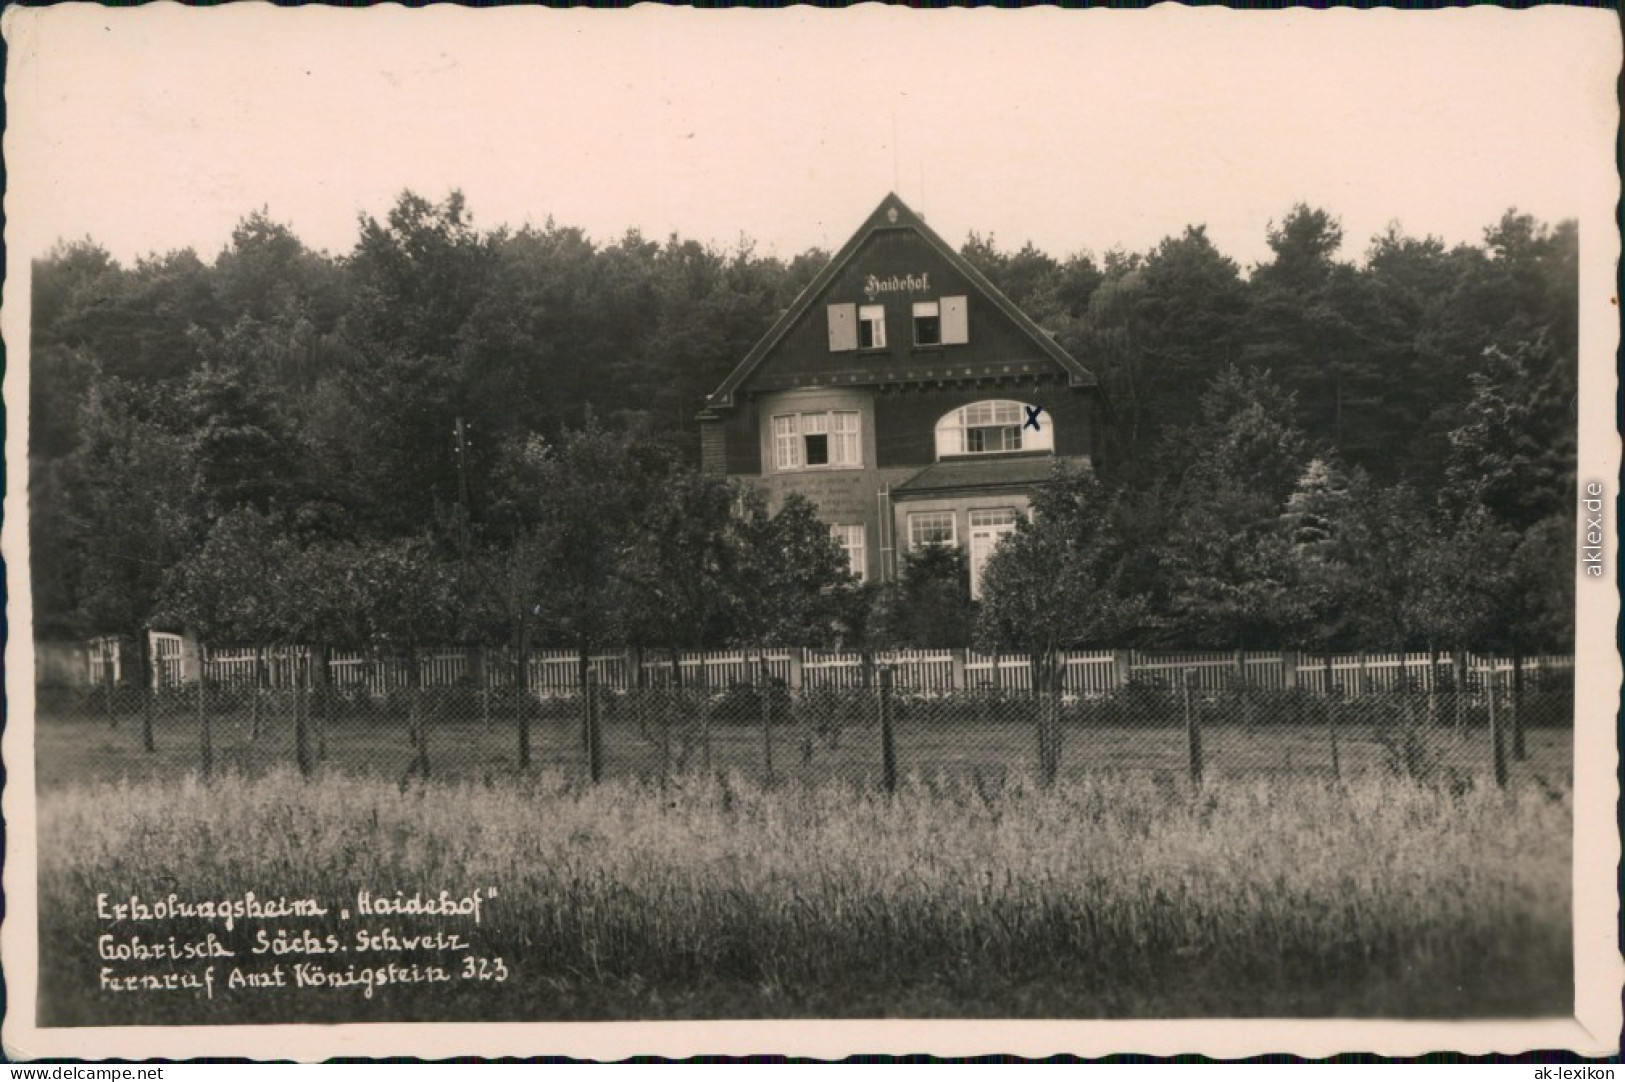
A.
pixel 907 397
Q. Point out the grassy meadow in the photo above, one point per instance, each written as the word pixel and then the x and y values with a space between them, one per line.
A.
pixel 1113 895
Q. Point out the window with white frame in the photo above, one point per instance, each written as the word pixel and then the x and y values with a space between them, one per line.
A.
pixel 811 441
pixel 996 518
pixel 850 538
pixel 931 528
pixel 872 326
pixel 994 427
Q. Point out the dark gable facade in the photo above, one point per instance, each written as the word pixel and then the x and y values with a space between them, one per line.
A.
pixel 897 394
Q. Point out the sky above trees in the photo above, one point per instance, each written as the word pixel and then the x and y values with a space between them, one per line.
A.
pixel 1070 129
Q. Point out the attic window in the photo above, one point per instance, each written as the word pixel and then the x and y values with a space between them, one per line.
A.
pixel 872 326
pixel 941 322
pixel 927 323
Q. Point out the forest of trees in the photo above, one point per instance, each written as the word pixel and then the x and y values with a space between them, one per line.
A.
pixel 1331 448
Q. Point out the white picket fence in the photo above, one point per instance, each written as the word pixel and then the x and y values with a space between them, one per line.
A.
pixel 1083 673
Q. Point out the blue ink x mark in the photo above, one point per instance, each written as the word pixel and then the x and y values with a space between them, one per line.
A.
pixel 1032 417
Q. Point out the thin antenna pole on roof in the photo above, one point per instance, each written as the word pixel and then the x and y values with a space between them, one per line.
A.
pixel 894 180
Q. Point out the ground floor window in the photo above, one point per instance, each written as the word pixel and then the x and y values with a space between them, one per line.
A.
pixel 987 527
pixel 931 528
pixel 850 539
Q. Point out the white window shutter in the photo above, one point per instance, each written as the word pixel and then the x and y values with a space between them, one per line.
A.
pixel 1041 440
pixel 955 322
pixel 843 328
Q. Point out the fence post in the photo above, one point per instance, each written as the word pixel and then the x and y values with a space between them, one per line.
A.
pixel 1193 731
pixel 1039 666
pixel 767 715
pixel 1331 721
pixel 888 750
pixel 663 710
pixel 204 735
pixel 1497 745
pixel 259 682
pixel 1289 669
pixel 521 699
pixel 1122 668
pixel 321 704
pixel 1406 699
pixel 1055 731
pixel 797 658
pixel 1048 735
pixel 1458 664
pixel 108 682
pixel 705 713
pixel 595 762
pixel 149 696
pixel 1362 677
pixel 1243 691
pixel 1433 686
pixel 1519 752
pixel 423 730
pixel 301 733
pixel 956 661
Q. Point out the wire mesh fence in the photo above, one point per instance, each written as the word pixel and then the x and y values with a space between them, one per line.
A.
pixel 1493 725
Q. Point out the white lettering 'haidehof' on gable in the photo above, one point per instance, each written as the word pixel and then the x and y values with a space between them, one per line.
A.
pixel 897 283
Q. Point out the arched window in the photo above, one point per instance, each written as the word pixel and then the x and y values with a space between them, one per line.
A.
pixel 994 427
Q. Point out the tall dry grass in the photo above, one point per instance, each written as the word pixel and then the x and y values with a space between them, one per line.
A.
pixel 1102 897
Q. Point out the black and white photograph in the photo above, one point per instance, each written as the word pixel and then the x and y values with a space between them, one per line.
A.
pixel 832 531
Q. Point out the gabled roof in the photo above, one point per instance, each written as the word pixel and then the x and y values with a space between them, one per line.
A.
pixel 893 214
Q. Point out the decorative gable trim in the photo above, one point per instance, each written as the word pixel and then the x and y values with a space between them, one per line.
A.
pixel 893 214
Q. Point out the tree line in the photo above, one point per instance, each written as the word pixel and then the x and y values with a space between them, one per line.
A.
pixel 457 434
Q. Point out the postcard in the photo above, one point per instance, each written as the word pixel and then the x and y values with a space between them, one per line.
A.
pixel 815 532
